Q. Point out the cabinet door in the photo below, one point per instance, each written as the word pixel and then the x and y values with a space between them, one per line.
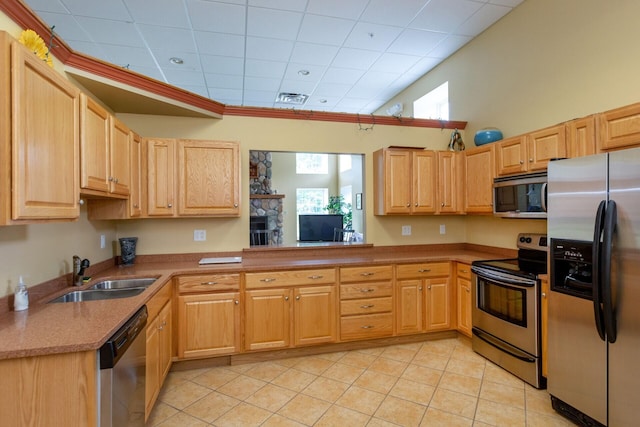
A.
pixel 437 304
pixel 424 171
pixel 544 309
pixel 464 306
pixel 209 178
pixel 619 128
pixel 152 369
pixel 409 309
pixel 447 182
pixel 267 319
pixel 45 140
pixel 581 137
pixel 164 345
pixel 479 172
pixel 397 182
pixel 208 324
pixel 135 191
pixel 94 145
pixel 510 156
pixel 315 315
pixel 120 177
pixel 544 145
pixel 160 177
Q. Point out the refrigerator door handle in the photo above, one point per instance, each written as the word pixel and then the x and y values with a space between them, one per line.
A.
pixel 597 283
pixel 610 220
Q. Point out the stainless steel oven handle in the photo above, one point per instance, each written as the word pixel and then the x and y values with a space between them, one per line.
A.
pixel 517 353
pixel 503 279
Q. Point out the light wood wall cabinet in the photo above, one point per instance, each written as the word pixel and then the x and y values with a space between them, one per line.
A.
pixel 104 151
pixel 192 178
pixel 479 171
pixel 531 152
pixel 290 308
pixel 423 297
pixel 159 345
pixel 415 182
pixel 581 137
pixel 463 297
pixel 37 187
pixel 619 128
pixel 366 302
pixel 208 315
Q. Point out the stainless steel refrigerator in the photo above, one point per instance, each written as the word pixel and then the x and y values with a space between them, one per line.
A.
pixel 594 302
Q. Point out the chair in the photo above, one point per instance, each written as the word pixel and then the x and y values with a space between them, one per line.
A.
pixel 342 235
pixel 260 237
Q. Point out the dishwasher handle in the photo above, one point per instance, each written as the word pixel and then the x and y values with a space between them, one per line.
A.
pixel 112 350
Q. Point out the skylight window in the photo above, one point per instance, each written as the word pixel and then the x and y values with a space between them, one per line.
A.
pixel 434 105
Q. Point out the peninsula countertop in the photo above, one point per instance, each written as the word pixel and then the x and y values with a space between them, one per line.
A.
pixel 51 328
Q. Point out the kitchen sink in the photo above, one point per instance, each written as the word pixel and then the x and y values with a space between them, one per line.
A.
pixel 124 283
pixel 98 294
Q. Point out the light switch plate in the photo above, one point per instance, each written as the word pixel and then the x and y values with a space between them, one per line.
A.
pixel 443 229
pixel 406 230
pixel 199 235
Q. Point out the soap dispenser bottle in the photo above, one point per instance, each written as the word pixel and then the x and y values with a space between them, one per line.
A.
pixel 21 300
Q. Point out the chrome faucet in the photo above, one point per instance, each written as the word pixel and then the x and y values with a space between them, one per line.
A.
pixel 78 270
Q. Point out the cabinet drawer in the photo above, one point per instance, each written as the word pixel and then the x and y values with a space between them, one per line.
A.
pixel 365 274
pixel 365 290
pixel 463 270
pixel 155 304
pixel 208 283
pixel 366 326
pixel 290 278
pixel 365 306
pixel 427 269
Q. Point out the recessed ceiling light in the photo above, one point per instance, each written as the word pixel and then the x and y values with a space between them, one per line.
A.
pixel 322 101
pixel 304 72
pixel 292 98
pixel 176 60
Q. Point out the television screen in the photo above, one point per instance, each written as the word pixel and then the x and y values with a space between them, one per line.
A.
pixel 318 228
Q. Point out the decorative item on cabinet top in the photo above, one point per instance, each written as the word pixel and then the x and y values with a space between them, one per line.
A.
pixel 487 135
pixel 34 43
pixel 456 143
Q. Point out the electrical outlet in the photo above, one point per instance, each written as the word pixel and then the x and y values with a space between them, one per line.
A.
pixel 406 230
pixel 103 241
pixel 199 235
pixel 443 229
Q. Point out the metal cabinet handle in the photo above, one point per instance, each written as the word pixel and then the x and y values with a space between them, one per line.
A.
pixel 442 205
pixel 235 205
pixel 366 326
pixel 237 302
pixel 297 297
pixel 268 279
pixel 367 290
pixel 424 270
pixel 464 271
pixel 544 295
pixel 169 205
pixel 408 204
pixel 208 283
pixel 530 160
pixel 110 179
pixel 316 277
pixel 416 205
pixel 135 205
pixel 367 273
pixel 429 287
pixel 420 288
pixel 521 162
pixel 367 306
pixel 286 298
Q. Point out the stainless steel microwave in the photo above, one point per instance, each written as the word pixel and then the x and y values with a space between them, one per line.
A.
pixel 520 196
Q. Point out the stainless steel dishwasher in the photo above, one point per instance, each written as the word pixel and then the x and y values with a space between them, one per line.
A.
pixel 122 362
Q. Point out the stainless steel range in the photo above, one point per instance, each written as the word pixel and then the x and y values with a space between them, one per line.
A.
pixel 506 309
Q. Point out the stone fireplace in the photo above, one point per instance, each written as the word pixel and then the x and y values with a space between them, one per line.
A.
pixel 265 207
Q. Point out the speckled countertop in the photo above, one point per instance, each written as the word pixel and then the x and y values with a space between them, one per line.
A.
pixel 48 328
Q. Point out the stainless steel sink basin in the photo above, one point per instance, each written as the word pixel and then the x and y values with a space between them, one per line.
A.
pixel 124 283
pixel 98 294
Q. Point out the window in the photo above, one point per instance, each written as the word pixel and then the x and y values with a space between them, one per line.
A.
pixel 312 163
pixel 311 200
pixel 434 105
pixel 344 160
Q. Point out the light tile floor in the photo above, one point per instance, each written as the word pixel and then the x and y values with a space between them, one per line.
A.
pixel 433 383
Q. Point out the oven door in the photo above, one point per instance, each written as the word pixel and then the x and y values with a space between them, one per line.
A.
pixel 506 307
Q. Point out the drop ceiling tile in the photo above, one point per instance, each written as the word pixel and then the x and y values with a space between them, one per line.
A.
pixel 314 54
pixel 88 48
pixel 315 72
pixel 113 9
pixel 376 80
pixel 295 5
pixel 223 81
pixel 322 102
pixel 152 72
pixel 422 67
pixel 226 93
pixel 372 36
pixel 295 86
pixel 448 46
pixel 331 89
pixel 351 9
pixel 111 32
pixel 482 19
pixel 269 49
pixel 394 62
pixel 198 90
pixel 416 42
pixel 40 6
pixel 191 61
pixel 166 13
pixel 355 58
pixel 180 77
pixel 262 68
pixel 509 3
pixel 342 75
pixel 261 84
pixel 350 104
pixel 222 64
pixel 392 12
pixel 65 26
pixel 266 97
pixel 216 16
pixel 277 24
pixel 178 39
pixel 129 56
pixel 219 44
pixel 325 30
pixel 444 15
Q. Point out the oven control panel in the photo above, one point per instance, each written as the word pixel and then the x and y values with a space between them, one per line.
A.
pixel 534 241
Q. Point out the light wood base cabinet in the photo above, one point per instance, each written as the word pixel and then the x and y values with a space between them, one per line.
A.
pixel 463 294
pixel 159 352
pixel 544 314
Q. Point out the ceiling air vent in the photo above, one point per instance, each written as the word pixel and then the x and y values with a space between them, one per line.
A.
pixel 292 98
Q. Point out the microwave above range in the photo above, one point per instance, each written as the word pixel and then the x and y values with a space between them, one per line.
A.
pixel 520 196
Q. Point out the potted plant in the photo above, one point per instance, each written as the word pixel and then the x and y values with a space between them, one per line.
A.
pixel 338 206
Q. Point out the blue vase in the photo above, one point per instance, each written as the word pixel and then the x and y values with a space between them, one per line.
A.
pixel 485 136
